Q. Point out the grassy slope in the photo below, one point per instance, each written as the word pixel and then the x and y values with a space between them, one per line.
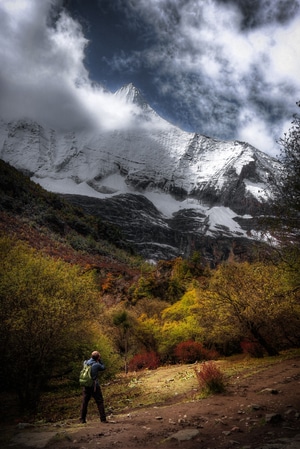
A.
pixel 50 224
pixel 26 204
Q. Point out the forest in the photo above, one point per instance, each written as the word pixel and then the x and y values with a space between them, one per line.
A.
pixel 69 284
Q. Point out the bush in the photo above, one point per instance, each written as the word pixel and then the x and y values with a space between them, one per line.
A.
pixel 211 378
pixel 252 348
pixel 191 351
pixel 144 360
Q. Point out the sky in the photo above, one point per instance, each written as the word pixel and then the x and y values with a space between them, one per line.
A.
pixel 229 69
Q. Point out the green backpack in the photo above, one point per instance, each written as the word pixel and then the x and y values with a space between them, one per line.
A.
pixel 85 378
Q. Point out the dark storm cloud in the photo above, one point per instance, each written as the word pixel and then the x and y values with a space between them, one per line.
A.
pixel 43 76
pixel 256 13
pixel 225 68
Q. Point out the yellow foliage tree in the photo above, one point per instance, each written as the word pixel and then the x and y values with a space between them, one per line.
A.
pixel 47 308
pixel 252 300
pixel 179 324
pixel 219 328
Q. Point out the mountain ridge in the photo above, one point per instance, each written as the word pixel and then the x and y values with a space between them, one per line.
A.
pixel 211 186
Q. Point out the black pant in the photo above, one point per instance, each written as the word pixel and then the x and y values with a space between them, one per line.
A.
pixel 96 392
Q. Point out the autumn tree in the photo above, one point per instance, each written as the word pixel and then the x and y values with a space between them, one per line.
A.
pixel 220 329
pixel 255 300
pixel 148 323
pixel 147 333
pixel 179 324
pixel 47 308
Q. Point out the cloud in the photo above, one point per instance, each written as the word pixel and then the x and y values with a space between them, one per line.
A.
pixel 254 130
pixel 43 76
pixel 216 59
pixel 225 68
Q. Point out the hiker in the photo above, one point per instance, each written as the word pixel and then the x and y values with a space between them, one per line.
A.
pixel 95 389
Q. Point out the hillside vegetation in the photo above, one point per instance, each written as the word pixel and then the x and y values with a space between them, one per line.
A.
pixel 70 283
pixel 34 208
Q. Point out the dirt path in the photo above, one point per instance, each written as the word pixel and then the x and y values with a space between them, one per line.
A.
pixel 257 412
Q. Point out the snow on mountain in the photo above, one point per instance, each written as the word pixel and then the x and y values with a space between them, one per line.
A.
pixel 177 171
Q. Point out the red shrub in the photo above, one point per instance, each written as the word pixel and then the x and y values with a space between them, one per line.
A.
pixel 211 378
pixel 252 348
pixel 144 360
pixel 191 351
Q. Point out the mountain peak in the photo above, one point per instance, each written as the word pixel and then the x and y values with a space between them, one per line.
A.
pixel 131 94
pixel 203 188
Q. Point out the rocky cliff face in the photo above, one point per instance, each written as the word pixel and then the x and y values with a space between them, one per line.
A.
pixel 156 237
pixel 171 192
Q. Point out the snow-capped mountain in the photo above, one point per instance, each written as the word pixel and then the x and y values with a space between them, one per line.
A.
pixel 169 190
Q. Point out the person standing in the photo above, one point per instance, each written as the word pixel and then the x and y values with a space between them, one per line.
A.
pixel 95 390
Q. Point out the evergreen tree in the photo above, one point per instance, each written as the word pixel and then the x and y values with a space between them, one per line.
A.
pixel 284 222
pixel 286 205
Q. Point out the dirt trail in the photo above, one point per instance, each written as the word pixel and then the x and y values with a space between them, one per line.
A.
pixel 258 412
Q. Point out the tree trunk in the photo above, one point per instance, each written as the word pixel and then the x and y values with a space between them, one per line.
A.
pixel 271 351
